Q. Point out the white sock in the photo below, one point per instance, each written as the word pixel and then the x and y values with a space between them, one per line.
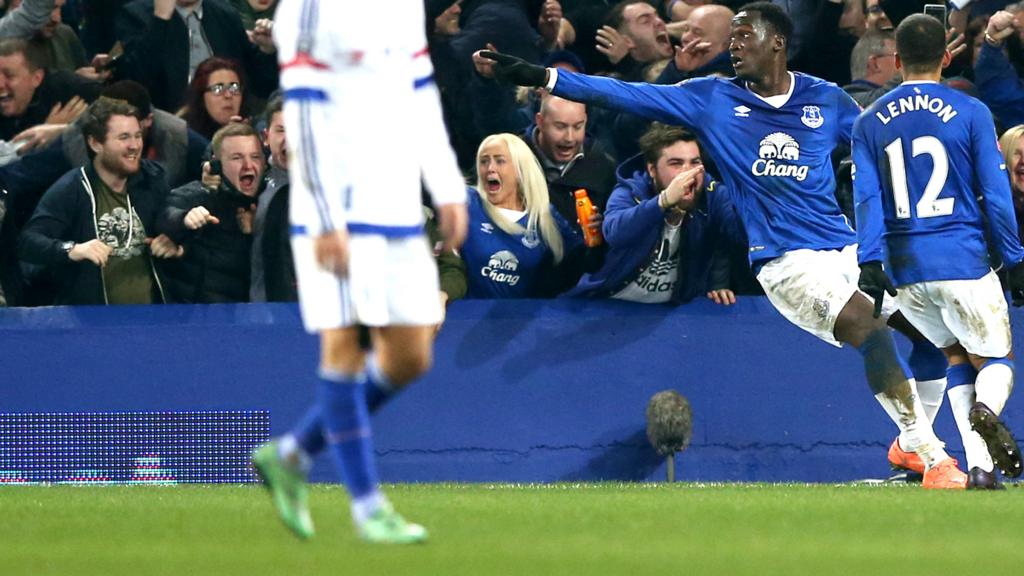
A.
pixel 931 393
pixel 914 427
pixel 363 508
pixel 961 398
pixel 289 450
pixel 993 385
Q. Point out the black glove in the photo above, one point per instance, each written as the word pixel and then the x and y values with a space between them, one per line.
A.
pixel 516 71
pixel 875 283
pixel 1016 281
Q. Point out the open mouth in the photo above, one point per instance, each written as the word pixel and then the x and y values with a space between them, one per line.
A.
pixel 247 180
pixel 6 98
pixel 564 150
pixel 493 184
pixel 131 157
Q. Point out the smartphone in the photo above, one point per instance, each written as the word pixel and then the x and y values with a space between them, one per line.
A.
pixel 216 169
pixel 938 11
pixel 111 64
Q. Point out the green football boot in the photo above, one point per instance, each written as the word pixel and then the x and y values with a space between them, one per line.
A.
pixel 385 526
pixel 288 489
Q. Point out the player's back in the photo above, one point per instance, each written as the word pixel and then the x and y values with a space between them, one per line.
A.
pixel 922 136
pixel 348 73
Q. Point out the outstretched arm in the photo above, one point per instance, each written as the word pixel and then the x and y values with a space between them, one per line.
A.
pixel 676 104
pixel 25 20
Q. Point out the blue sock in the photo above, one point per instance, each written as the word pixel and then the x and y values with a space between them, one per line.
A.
pixel 883 365
pixel 309 432
pixel 960 374
pixel 926 361
pixel 347 430
pixel 378 388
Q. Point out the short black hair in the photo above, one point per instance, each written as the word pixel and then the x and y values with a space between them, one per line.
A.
pixel 274 105
pixel 660 136
pixel 132 92
pixel 615 15
pixel 920 43
pixel 774 16
pixel 95 119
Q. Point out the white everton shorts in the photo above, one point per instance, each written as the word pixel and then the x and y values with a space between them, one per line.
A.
pixel 971 312
pixel 390 282
pixel 810 287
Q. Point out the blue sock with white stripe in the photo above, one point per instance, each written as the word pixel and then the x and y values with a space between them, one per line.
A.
pixel 347 431
pixel 928 365
pixel 308 434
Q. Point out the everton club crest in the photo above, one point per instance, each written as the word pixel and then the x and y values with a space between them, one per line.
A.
pixel 812 117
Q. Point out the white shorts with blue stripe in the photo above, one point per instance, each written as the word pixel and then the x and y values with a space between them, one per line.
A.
pixel 390 282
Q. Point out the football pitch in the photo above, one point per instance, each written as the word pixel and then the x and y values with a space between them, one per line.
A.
pixel 479 529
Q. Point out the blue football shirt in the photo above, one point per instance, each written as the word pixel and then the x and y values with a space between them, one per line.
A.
pixel 503 265
pixel 773 154
pixel 924 154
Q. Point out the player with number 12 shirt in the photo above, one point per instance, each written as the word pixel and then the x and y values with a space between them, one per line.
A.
pixel 932 191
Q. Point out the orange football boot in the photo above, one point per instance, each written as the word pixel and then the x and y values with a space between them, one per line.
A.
pixel 944 476
pixel 900 459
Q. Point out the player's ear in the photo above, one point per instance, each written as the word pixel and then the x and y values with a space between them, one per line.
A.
pixel 947 58
pixel 779 43
pixel 899 62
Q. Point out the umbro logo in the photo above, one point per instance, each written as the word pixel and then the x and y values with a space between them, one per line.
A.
pixel 742 111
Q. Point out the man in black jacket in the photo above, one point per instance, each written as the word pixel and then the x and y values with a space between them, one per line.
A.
pixel 215 226
pixel 273 267
pixel 158 53
pixel 31 95
pixel 94 228
pixel 570 160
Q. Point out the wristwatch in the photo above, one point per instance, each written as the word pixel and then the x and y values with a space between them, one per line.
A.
pixel 67 247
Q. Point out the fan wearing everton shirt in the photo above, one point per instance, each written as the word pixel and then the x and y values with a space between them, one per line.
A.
pixel 771 132
pixel 924 153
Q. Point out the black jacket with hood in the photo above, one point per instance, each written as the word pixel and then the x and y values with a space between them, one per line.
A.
pixel 67 212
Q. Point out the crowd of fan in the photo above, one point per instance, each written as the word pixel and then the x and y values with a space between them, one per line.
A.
pixel 143 155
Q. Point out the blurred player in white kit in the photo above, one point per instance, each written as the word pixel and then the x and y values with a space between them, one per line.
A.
pixel 361 255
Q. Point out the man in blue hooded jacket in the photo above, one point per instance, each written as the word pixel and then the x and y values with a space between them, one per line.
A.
pixel 668 226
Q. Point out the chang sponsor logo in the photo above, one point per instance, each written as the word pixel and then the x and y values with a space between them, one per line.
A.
pixel 502 267
pixel 773 150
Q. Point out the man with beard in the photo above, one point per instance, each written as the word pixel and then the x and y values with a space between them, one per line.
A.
pixel 94 228
pixel 668 227
pixel 771 138
pixel 216 266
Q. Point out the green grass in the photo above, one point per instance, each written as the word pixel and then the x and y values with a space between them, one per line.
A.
pixel 587 529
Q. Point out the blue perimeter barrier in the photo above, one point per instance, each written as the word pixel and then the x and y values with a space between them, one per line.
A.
pixel 520 391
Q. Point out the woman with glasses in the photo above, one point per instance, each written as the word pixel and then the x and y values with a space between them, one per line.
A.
pixel 215 96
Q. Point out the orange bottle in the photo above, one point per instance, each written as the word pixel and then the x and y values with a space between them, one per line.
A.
pixel 584 208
